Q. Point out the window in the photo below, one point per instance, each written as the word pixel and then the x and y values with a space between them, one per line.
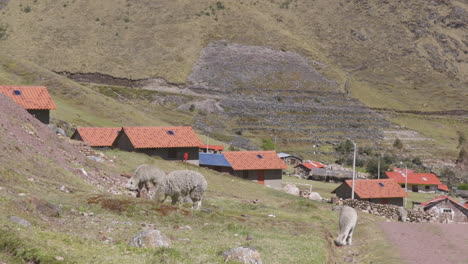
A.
pixel 172 153
pixel 170 132
pixel 17 92
pixel 447 210
pixel 245 174
pixel 427 188
pixel 259 156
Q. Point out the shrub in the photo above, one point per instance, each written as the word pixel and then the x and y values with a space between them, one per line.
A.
pixel 345 147
pixel 398 144
pixel 192 108
pixel 3 31
pixel 27 9
pixel 417 161
pixel 268 144
pixel 463 186
pixel 219 5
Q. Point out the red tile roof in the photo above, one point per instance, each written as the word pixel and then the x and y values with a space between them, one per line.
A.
pixel 443 187
pixel 162 137
pixel 213 147
pixel 382 188
pixel 414 178
pixel 29 97
pixel 439 199
pixel 98 136
pixel 312 165
pixel 254 160
pixel 402 170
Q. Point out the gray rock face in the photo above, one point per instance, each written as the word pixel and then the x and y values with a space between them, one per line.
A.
pixel 150 239
pixel 19 221
pixel 291 189
pixel 245 255
pixel 315 196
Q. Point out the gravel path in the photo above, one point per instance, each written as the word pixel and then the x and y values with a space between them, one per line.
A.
pixel 429 243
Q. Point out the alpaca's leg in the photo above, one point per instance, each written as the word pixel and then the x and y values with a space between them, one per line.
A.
pixel 350 236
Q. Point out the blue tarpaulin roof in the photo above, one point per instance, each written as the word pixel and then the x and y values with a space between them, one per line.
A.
pixel 213 160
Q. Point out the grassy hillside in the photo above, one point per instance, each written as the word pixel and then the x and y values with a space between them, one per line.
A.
pixel 95 226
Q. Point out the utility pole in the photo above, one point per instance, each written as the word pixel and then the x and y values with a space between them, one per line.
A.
pixel 354 169
pixel 378 167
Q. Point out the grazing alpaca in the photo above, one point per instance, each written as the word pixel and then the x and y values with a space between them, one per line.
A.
pixel 181 185
pixel 144 175
pixel 348 220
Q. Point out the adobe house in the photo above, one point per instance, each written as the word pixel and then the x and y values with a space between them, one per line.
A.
pixel 417 182
pixel 446 209
pixel 442 188
pixel 303 170
pixel 215 162
pixel 35 99
pixel 264 167
pixel 205 148
pixel 290 159
pixel 381 191
pixel 97 137
pixel 169 143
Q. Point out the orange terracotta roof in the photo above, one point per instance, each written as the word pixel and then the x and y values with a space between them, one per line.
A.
pixel 29 97
pixel 99 136
pixel 414 178
pixel 162 137
pixel 312 165
pixel 254 160
pixel 382 188
pixel 213 147
pixel 443 187
pixel 439 199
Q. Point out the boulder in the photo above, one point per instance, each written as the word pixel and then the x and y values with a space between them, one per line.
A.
pixel 315 196
pixel 19 221
pixel 245 255
pixel 46 208
pixel 291 189
pixel 150 239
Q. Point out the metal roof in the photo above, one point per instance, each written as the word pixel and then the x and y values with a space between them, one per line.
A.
pixel 283 155
pixel 213 160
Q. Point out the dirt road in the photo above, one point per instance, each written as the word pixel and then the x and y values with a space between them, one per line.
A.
pixel 429 243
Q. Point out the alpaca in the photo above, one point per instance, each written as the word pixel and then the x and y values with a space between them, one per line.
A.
pixel 348 220
pixel 181 185
pixel 144 175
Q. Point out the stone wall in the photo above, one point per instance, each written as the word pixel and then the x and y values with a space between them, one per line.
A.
pixel 389 211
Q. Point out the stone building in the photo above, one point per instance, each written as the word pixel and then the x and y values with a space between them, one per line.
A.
pixel 381 191
pixel 35 99
pixel 290 159
pixel 446 209
pixel 303 169
pixel 169 143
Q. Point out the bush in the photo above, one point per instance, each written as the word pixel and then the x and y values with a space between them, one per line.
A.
pixel 398 144
pixel 27 9
pixel 463 186
pixel 345 147
pixel 417 161
pixel 3 31
pixel 192 108
pixel 372 166
pixel 219 5
pixel 268 144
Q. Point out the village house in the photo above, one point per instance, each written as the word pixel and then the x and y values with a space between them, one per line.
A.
pixel 417 182
pixel 264 167
pixel 442 188
pixel 169 143
pixel 289 159
pixel 205 148
pixel 215 162
pixel 381 191
pixel 35 99
pixel 303 170
pixel 446 209
pixel 97 137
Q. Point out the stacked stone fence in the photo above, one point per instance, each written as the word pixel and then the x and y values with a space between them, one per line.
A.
pixel 390 211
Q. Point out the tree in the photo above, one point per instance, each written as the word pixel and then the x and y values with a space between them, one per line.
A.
pixel 268 144
pixel 345 147
pixel 398 144
pixel 372 166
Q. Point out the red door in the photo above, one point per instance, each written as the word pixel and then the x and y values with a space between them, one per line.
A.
pixel 261 177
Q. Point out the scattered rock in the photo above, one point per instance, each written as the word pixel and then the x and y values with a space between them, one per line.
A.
pixel 46 208
pixel 150 239
pixel 249 237
pixel 348 259
pixel 245 255
pixel 186 227
pixel 315 196
pixel 291 189
pixel 59 258
pixel 271 215
pixel 19 221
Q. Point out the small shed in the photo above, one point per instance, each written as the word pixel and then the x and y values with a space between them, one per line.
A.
pixel 446 209
pixel 303 170
pixel 381 191
pixel 205 148
pixel 215 162
pixel 97 137
pixel 35 99
pixel 417 182
pixel 264 167
pixel 289 159
pixel 169 143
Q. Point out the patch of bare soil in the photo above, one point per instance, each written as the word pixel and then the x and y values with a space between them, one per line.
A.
pixel 429 243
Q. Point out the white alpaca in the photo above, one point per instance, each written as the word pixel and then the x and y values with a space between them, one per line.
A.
pixel 181 185
pixel 348 220
pixel 144 175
